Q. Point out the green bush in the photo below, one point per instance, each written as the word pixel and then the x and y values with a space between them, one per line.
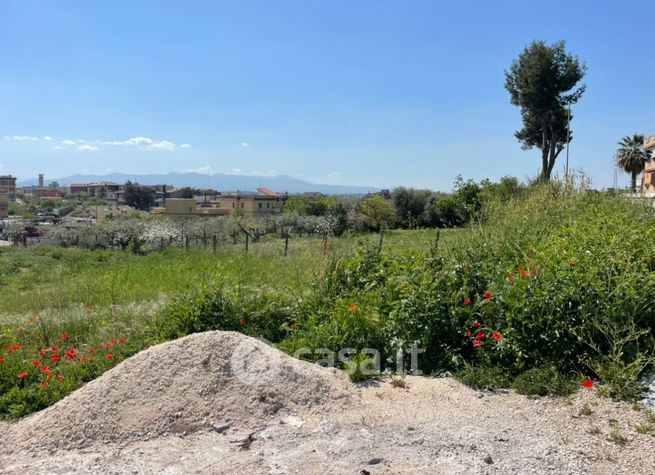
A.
pixel 544 381
pixel 484 378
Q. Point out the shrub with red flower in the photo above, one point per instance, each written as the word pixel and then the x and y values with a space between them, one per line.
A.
pixel 109 356
pixel 588 384
pixel 22 375
pixel 2 360
pixel 44 384
pixel 65 336
pixel 60 377
pixel 54 358
pixel 480 336
pixel 487 295
pixel 497 335
pixel 476 343
pixel 71 354
pixel 352 308
pixel 36 363
pixel 467 301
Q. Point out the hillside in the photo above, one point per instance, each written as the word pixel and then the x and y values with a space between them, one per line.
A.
pixel 219 181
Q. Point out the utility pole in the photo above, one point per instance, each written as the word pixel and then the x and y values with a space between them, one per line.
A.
pixel 568 139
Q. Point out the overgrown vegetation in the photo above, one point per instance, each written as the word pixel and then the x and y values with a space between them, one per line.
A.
pixel 549 286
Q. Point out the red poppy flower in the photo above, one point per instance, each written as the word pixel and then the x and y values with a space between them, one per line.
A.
pixel 476 343
pixel 588 384
pixel 477 325
pixel 352 308
pixel 487 295
pixel 497 336
pixel 242 322
pixel 90 360
pixel 111 343
pixel 71 353
pixel 468 334
pixel 480 336
pixel 121 341
pixel 22 375
pixel 60 377
pixel 109 356
pixel 467 300
pixel 91 351
pixel 45 370
pixel 2 360
pixel 15 348
pixel 83 359
pixel 44 384
pixel 65 336
pixel 54 358
pixel 54 348
pixel 36 363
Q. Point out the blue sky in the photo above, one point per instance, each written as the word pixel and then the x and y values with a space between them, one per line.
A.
pixel 369 92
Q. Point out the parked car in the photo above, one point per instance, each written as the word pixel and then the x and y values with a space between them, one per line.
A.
pixel 32 232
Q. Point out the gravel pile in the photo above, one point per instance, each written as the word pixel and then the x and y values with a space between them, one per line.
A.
pixel 203 381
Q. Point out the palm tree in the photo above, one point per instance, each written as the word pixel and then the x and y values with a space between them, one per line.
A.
pixel 631 157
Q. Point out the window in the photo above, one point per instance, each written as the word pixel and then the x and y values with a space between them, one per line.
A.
pixel 233 204
pixel 242 205
pixel 260 205
pixel 268 205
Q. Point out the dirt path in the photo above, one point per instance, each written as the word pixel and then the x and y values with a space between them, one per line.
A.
pixel 202 416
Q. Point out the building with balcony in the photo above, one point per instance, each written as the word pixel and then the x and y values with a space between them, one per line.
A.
pixel 648 182
pixel 8 186
pixel 262 203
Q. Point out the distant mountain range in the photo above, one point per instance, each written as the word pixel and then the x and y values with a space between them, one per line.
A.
pixel 218 181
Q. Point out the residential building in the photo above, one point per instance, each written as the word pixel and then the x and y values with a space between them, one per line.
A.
pixel 648 182
pixel 4 205
pixel 186 207
pixel 8 186
pixel 262 203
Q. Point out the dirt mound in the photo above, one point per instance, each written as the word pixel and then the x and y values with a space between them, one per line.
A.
pixel 204 381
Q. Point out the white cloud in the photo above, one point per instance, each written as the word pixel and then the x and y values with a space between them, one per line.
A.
pixel 163 145
pixel 58 147
pixel 206 170
pixel 245 144
pixel 87 148
pixel 145 143
pixel 142 143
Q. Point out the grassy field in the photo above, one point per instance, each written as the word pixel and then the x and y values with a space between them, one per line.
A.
pixel 51 278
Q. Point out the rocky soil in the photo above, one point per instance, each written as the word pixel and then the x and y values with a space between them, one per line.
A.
pixel 221 402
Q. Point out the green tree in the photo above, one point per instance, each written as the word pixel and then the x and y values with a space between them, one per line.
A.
pixel 139 197
pixel 631 157
pixel 411 205
pixel 541 83
pixel 378 213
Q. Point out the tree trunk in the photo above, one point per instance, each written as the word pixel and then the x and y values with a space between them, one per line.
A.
pixel 633 181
